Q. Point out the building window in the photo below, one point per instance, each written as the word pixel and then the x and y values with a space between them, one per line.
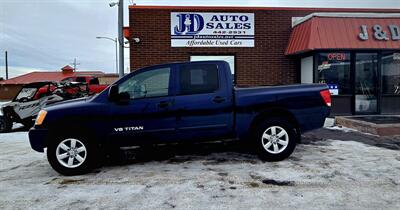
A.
pixel 334 70
pixel 391 74
pixel 228 58
pixel 390 102
pixel 198 78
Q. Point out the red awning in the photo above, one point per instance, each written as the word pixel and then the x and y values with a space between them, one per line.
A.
pixel 335 32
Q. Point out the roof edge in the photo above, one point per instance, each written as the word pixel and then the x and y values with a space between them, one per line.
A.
pixel 344 15
pixel 160 7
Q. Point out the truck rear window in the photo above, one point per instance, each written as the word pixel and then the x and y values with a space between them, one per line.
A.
pixel 198 78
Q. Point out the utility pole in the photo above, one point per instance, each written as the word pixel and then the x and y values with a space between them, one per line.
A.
pixel 6 65
pixel 121 37
pixel 116 55
pixel 75 64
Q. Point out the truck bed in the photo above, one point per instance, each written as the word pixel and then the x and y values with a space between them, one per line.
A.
pixel 302 101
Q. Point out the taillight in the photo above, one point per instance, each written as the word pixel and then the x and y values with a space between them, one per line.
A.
pixel 326 95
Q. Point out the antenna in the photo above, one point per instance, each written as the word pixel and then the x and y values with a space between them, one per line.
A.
pixel 75 64
pixel 6 58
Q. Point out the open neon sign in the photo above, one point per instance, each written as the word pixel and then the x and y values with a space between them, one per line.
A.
pixel 337 56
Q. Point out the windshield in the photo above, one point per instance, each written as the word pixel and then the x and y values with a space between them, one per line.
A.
pixel 26 93
pixel 68 80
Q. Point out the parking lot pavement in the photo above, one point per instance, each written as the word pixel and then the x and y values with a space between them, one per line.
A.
pixel 354 171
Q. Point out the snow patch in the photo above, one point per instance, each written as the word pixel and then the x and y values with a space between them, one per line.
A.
pixel 329 122
pixel 341 128
pixel 315 176
pixel 346 130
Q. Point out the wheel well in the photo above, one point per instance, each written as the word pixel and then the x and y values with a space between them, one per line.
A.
pixel 63 128
pixel 281 113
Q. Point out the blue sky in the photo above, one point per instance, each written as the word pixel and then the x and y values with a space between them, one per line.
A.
pixel 48 34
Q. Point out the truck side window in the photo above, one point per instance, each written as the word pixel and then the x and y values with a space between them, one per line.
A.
pixel 153 83
pixel 80 79
pixel 198 78
pixel 94 81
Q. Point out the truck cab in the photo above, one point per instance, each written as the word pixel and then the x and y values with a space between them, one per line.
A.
pixel 171 102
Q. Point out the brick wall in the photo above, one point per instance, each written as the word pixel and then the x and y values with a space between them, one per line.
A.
pixel 264 64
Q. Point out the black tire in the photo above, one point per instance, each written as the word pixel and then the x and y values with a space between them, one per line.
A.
pixel 283 152
pixel 5 125
pixel 90 160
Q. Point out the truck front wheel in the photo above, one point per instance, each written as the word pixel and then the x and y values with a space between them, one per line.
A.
pixel 71 155
pixel 275 139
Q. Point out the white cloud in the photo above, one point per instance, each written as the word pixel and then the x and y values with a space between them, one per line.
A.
pixel 49 34
pixel 14 71
pixel 280 3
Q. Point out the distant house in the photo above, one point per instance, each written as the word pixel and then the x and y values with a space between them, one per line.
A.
pixel 9 88
pixel 108 79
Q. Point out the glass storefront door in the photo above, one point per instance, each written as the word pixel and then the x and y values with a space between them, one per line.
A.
pixel 366 83
pixel 390 100
pixel 334 69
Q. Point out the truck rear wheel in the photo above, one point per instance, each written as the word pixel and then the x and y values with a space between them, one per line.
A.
pixel 5 125
pixel 275 139
pixel 71 155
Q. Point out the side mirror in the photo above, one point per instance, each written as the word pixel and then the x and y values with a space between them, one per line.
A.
pixel 113 93
pixel 120 98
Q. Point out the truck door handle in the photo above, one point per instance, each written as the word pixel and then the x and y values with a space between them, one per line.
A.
pixel 218 99
pixel 164 104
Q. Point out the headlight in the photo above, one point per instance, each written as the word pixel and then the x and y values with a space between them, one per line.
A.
pixel 40 117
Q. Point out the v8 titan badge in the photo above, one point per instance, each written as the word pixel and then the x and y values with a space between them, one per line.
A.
pixel 132 128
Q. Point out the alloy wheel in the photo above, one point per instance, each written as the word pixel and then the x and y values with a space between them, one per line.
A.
pixel 275 139
pixel 71 153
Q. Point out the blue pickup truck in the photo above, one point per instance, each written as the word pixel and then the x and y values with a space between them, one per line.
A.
pixel 192 101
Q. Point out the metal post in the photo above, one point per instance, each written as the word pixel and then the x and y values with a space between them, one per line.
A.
pixel 116 55
pixel 121 37
pixel 6 65
pixel 75 64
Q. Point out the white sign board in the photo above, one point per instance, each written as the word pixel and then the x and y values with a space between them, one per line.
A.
pixel 190 29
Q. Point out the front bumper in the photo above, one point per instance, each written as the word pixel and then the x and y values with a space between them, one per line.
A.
pixel 37 138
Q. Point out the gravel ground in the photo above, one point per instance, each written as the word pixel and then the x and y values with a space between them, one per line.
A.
pixel 355 171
